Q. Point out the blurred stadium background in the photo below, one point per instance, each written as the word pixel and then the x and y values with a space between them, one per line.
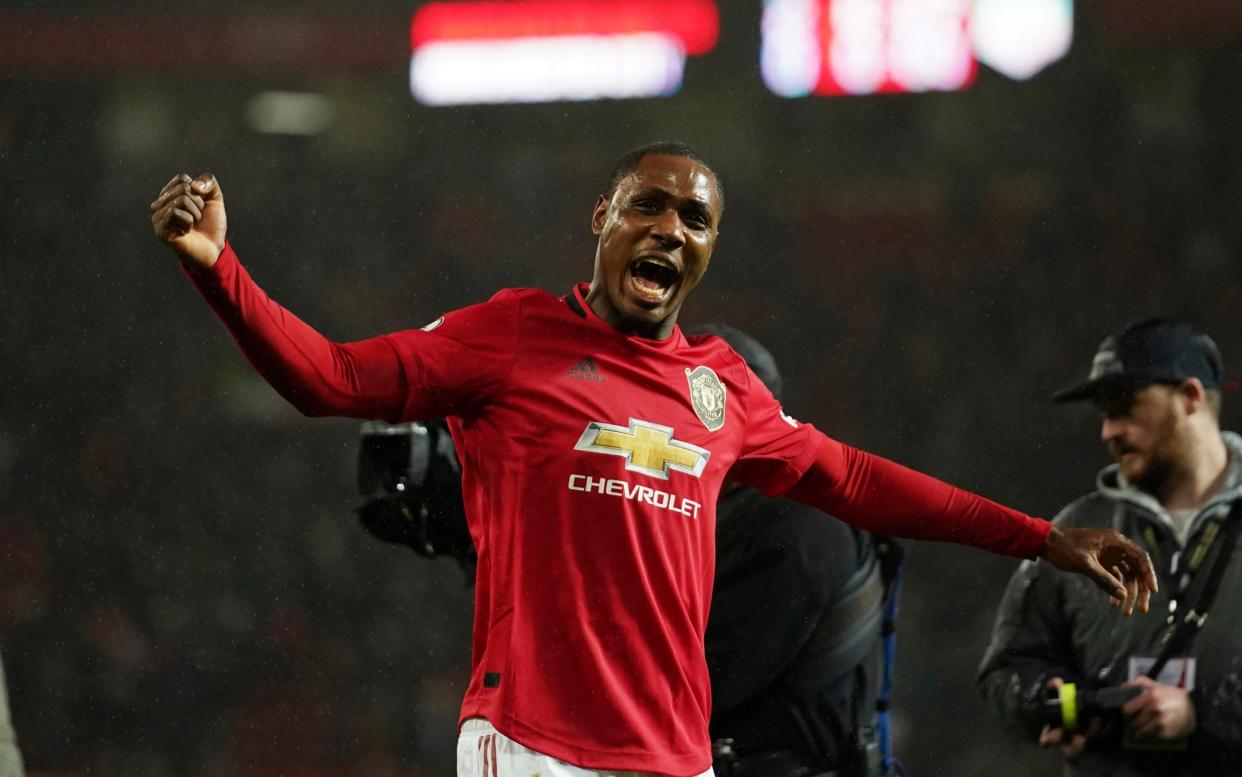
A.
pixel 183 588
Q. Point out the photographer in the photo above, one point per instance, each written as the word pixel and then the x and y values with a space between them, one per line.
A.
pixel 1173 489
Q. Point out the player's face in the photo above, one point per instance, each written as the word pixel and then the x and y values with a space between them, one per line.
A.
pixel 656 237
pixel 1142 430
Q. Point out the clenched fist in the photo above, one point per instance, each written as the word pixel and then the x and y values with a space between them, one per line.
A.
pixel 189 216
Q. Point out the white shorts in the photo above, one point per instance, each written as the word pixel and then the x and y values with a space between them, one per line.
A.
pixel 482 751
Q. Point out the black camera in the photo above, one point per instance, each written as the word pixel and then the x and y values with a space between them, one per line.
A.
pixel 411 479
pixel 1072 707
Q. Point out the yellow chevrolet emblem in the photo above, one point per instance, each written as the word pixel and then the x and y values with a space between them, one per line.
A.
pixel 647 448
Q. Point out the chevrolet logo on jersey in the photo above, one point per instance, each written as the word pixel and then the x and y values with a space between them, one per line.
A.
pixel 648 448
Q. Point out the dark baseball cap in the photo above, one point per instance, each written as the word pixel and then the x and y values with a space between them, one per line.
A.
pixel 1155 350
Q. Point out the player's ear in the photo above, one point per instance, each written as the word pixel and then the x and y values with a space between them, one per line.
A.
pixel 599 216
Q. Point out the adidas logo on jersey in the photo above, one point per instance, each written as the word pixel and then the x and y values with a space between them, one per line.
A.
pixel 585 370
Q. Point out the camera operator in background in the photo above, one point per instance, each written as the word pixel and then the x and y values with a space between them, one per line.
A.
pixel 411 478
pixel 1139 697
pixel 794 632
pixel 796 701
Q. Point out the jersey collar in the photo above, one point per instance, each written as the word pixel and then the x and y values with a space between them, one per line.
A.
pixel 576 300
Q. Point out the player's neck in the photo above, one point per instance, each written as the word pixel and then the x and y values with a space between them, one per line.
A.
pixel 602 307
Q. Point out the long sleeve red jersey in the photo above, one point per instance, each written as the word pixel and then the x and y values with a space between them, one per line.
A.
pixel 591 463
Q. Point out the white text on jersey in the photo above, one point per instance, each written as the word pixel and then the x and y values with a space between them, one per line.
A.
pixel 645 494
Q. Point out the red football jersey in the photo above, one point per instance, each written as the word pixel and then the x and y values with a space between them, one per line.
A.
pixel 591 463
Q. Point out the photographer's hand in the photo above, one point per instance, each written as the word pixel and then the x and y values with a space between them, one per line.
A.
pixel 1072 742
pixel 189 216
pixel 1160 712
pixel 1115 563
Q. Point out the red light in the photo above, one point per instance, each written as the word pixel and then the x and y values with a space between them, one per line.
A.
pixel 837 47
pixel 895 46
pixel 695 23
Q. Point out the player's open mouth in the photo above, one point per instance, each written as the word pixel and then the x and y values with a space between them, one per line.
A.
pixel 653 277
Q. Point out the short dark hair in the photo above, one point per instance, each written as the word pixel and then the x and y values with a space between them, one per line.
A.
pixel 630 160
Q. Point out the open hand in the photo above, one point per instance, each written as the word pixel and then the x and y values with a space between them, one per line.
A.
pixel 1116 564
pixel 189 216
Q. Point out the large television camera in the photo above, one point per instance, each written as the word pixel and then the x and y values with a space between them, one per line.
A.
pixel 411 479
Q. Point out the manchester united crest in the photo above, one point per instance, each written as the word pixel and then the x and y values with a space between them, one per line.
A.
pixel 707 396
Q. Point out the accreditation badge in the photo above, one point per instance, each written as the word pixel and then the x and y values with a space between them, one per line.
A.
pixel 1178 672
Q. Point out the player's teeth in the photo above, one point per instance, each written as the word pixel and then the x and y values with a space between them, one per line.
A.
pixel 640 286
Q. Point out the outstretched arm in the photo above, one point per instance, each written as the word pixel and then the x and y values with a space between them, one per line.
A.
pixel 880 496
pixel 317 376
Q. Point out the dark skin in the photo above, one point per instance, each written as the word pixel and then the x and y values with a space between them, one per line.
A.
pixel 667 212
pixel 1119 567
pixel 667 209
pixel 188 215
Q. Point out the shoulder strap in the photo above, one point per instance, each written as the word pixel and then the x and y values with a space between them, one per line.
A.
pixel 846 633
pixel 1185 631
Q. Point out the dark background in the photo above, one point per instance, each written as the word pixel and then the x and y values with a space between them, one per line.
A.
pixel 183 588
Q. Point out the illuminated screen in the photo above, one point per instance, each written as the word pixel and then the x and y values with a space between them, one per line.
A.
pixel 543 50
pixel 1021 37
pixel 843 47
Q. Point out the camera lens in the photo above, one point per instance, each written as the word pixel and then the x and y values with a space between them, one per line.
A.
pixel 1071 707
pixel 1061 706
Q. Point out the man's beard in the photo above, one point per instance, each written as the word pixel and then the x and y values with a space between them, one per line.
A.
pixel 1155 476
pixel 1163 464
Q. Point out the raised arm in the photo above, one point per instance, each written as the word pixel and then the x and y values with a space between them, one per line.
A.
pixel 317 376
pixel 881 496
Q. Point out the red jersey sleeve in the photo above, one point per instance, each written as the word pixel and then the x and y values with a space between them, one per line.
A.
pixel 317 376
pixel 880 496
pixel 401 376
pixel 461 359
pixel 776 449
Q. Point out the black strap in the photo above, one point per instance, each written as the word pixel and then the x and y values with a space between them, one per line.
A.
pixel 1186 629
pixel 845 634
pixel 843 640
